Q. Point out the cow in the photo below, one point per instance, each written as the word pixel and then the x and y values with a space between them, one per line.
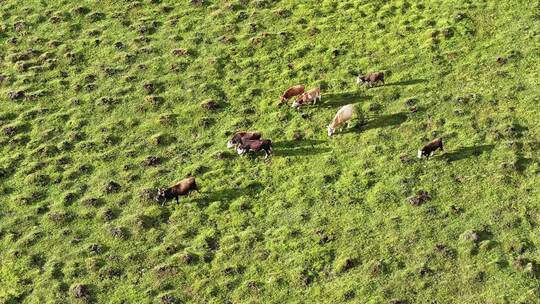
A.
pixel 371 79
pixel 183 187
pixel 239 136
pixel 291 92
pixel 430 148
pixel 343 116
pixel 310 96
pixel 255 146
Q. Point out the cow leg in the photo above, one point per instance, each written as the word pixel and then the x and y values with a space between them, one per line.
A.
pixel 177 201
pixel 265 154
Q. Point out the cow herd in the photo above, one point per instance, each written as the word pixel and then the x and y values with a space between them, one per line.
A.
pixel 245 142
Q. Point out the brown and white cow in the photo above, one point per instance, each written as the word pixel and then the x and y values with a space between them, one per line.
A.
pixel 291 92
pixel 430 148
pixel 239 136
pixel 308 97
pixel 255 146
pixel 371 79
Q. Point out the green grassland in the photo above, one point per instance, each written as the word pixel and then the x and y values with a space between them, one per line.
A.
pixel 100 104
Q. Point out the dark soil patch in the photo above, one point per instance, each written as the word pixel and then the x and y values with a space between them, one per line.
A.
pixel 152 161
pixel 188 258
pixel 80 291
pixel 154 100
pixel 108 215
pixel 180 52
pixel 443 250
pixel 9 131
pixel 168 299
pixel 420 198
pixel 59 217
pixel 149 87
pixel 119 233
pixel 107 101
pixel 211 105
pixel 148 195
pixel 110 273
pixel 16 95
pixel 81 10
pixel 112 187
pixel 93 202
pixel 96 249
pixel 69 198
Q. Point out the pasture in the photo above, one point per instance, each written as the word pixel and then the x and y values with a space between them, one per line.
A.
pixel 104 102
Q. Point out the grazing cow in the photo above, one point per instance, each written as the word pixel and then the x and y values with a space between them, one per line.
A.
pixel 239 136
pixel 310 96
pixel 183 187
pixel 291 92
pixel 371 78
pixel 343 116
pixel 255 146
pixel 430 148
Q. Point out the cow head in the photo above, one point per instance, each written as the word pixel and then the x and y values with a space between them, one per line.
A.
pixel 419 153
pixel 195 187
pixel 240 150
pixel 298 102
pixel 362 79
pixel 230 144
pixel 330 131
pixel 161 195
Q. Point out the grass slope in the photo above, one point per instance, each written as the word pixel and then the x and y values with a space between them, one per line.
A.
pixel 84 142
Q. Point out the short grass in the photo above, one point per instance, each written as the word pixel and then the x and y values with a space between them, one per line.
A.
pixel 100 104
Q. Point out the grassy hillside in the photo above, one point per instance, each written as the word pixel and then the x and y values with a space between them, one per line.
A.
pixel 102 102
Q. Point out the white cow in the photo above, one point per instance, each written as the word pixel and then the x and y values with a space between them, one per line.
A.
pixel 343 116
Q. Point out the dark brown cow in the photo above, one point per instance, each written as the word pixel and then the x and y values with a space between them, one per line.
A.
pixel 430 148
pixel 291 92
pixel 255 146
pixel 183 187
pixel 371 78
pixel 239 136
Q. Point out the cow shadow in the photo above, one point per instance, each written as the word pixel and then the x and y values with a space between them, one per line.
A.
pixel 291 144
pixel 381 121
pixel 226 195
pixel 406 82
pixel 299 147
pixel 341 99
pixel 301 152
pixel 467 152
